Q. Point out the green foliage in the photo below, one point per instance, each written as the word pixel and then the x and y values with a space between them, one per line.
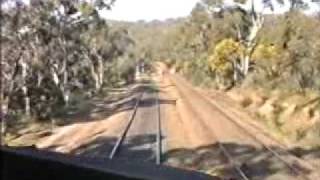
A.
pixel 199 72
pixel 288 54
pixel 265 52
pixel 50 57
pixel 224 55
pixel 283 53
pixel 86 9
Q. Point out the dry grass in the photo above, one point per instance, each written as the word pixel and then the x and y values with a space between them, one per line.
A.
pixel 291 115
pixel 26 134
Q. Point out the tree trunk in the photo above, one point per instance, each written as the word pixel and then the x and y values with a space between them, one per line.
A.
pixel 24 88
pixel 61 84
pixel 257 23
pixel 3 114
pixel 64 85
pixel 97 72
pixel 95 77
pixel 235 73
pixel 39 79
pixel 100 72
pixel 26 101
pixel 5 99
pixel 65 93
pixel 245 64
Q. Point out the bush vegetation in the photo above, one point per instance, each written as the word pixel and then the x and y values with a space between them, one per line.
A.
pixel 228 46
pixel 54 52
pixel 242 47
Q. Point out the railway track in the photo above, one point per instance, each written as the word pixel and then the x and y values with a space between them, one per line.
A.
pixel 149 120
pixel 252 125
pixel 236 164
pixel 279 153
pixel 294 164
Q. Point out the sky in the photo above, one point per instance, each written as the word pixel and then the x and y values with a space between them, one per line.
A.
pixel 148 10
pixel 278 8
pixel 134 10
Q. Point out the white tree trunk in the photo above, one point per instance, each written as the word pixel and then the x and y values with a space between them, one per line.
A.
pixel 39 79
pixel 95 77
pixel 24 88
pixel 7 81
pixel 257 21
pixel 97 72
pixel 100 72
pixel 235 72
pixel 56 81
pixel 65 95
pixel 64 86
pixel 245 64
pixel 26 101
pixel 4 112
pixel 61 84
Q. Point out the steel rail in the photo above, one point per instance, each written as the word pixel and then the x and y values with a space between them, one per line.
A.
pixel 264 133
pixel 261 131
pixel 231 159
pixel 224 150
pixel 159 133
pixel 124 133
pixel 276 154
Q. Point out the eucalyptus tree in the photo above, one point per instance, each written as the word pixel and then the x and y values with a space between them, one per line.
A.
pixel 248 18
pixel 49 49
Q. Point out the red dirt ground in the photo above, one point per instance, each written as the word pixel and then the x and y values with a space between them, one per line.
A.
pixel 193 128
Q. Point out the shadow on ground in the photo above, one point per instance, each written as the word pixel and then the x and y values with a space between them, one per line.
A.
pixel 136 149
pixel 101 108
pixel 256 163
pixel 95 109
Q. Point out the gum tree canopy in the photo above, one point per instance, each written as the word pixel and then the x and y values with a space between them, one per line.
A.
pixel 52 49
pixel 248 20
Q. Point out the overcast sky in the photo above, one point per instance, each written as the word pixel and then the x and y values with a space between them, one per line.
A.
pixel 133 10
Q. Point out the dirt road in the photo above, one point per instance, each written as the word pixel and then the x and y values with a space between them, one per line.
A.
pixel 98 138
pixel 196 133
pixel 245 148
